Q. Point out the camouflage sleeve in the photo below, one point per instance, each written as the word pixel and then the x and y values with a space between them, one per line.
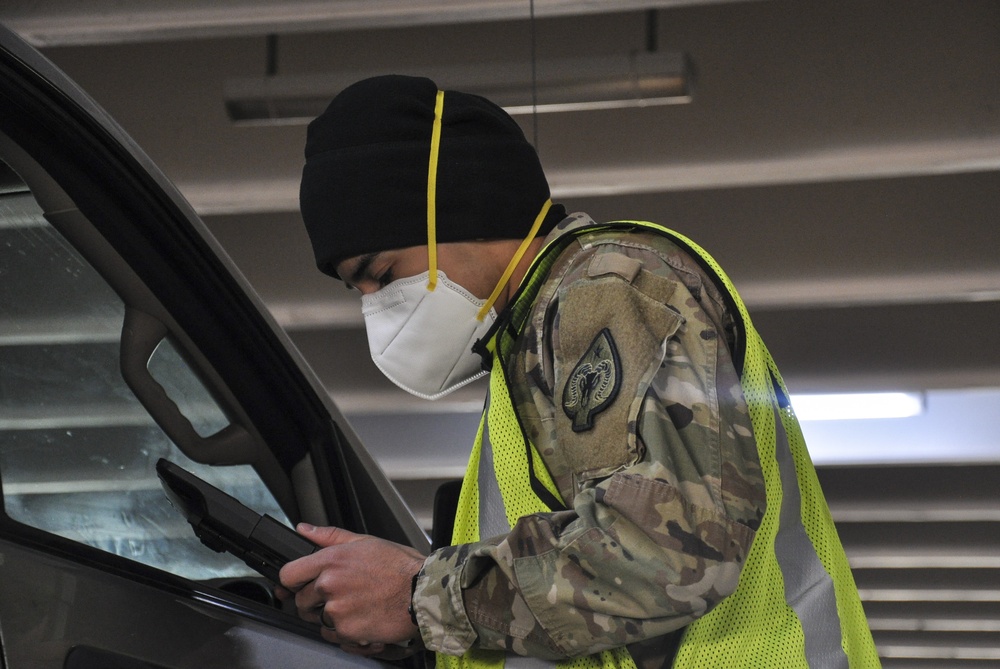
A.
pixel 661 476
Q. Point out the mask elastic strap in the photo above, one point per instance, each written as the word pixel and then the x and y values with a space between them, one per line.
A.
pixel 432 192
pixel 521 250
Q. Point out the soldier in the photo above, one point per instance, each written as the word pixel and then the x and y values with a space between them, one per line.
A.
pixel 638 493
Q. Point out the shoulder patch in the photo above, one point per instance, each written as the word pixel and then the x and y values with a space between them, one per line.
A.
pixel 594 382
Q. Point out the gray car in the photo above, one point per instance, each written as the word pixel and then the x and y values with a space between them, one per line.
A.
pixel 126 335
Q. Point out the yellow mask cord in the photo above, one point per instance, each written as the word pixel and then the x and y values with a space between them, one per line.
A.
pixel 505 277
pixel 432 218
pixel 432 192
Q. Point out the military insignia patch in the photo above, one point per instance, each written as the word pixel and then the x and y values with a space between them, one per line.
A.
pixel 593 383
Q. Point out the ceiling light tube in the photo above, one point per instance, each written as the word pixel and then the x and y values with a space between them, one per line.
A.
pixel 854 406
pixel 615 81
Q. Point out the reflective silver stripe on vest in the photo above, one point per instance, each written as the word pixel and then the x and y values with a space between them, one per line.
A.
pixel 492 515
pixel 808 587
pixel 493 522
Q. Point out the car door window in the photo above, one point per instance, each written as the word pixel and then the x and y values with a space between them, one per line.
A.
pixel 77 450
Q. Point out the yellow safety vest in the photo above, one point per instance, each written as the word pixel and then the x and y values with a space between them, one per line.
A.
pixel 796 605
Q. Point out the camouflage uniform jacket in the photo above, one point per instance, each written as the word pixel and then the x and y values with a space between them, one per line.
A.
pixel 662 484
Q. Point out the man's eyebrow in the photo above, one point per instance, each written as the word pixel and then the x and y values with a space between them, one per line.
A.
pixel 359 272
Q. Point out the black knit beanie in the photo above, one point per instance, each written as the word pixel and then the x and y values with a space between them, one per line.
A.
pixel 364 184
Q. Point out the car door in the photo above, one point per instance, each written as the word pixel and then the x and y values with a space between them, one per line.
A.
pixel 126 335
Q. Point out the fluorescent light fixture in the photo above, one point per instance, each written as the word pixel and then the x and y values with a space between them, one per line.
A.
pixel 853 406
pixel 617 81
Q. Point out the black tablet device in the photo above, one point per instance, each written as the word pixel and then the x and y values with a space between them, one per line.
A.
pixel 224 524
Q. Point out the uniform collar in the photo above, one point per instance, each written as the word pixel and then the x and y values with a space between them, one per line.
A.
pixel 485 347
pixel 572 222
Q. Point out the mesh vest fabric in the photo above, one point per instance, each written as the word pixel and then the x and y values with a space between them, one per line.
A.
pixel 772 619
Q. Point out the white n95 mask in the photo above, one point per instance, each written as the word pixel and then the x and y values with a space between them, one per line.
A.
pixel 422 339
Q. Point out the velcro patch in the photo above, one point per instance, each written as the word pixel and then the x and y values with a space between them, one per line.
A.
pixel 614 263
pixel 594 315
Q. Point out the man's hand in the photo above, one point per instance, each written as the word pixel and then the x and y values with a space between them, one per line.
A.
pixel 357 587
